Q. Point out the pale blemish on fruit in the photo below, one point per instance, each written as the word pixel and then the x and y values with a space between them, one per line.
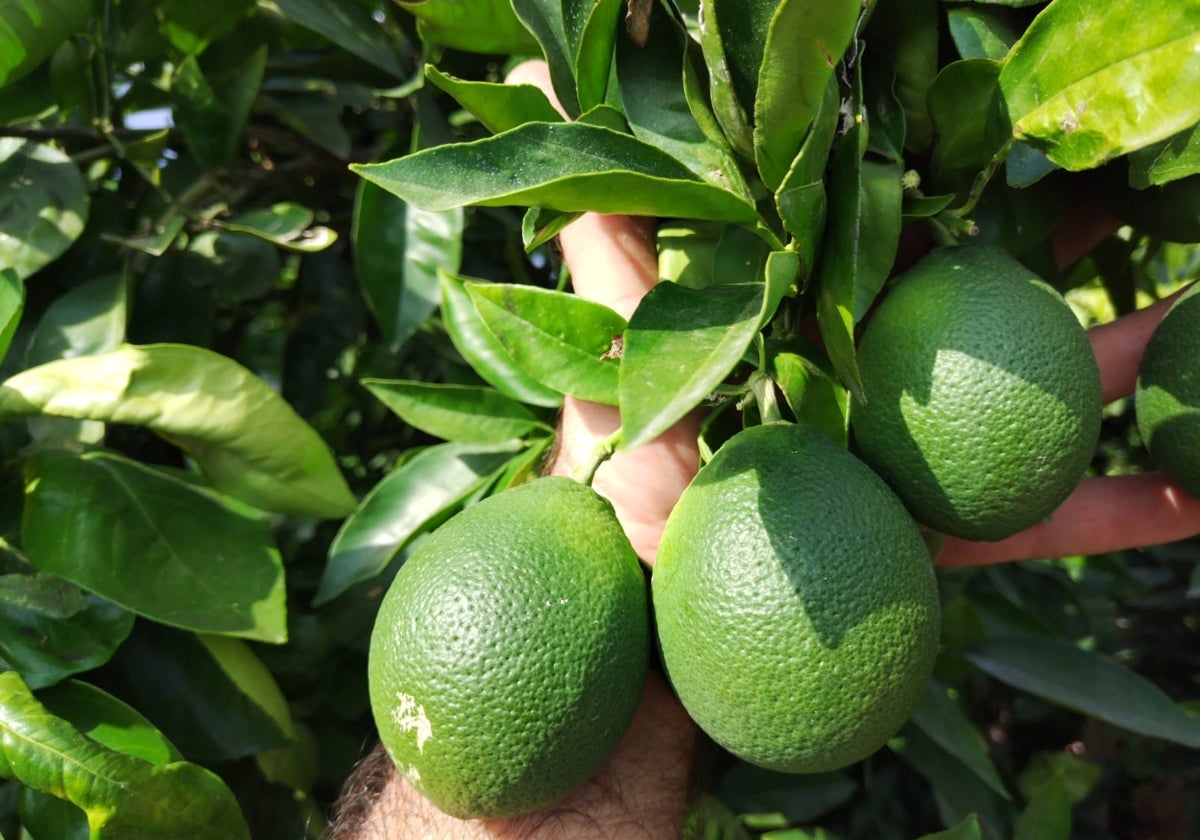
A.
pixel 410 717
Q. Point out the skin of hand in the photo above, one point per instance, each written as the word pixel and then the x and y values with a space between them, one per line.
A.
pixel 643 790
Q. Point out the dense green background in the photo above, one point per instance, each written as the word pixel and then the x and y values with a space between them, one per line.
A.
pixel 216 327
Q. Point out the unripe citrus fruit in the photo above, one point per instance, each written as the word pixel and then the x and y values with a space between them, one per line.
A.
pixel 1168 392
pixel 982 395
pixel 795 601
pixel 510 651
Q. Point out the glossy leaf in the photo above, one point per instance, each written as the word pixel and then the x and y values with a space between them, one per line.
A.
pixel 657 106
pixel 865 197
pixel 485 26
pixel 1047 816
pixel 483 351
pixel 801 199
pixel 399 249
pixel 156 545
pixel 563 166
pixel 108 720
pixel 497 106
pixel 285 224
pixel 213 116
pixel 812 391
pixel 732 114
pixel 968 829
pixel 1089 683
pixel 50 629
pixel 970 122
pixel 88 319
pixel 461 413
pixel 558 339
pixel 957 792
pixel 211 696
pixel 903 36
pixel 43 205
pixel 30 32
pixel 349 25
pixel 1176 157
pixel 249 442
pixel 942 719
pixel 123 796
pixel 1090 81
pixel 544 19
pixel 424 491
pixel 983 31
pixel 12 304
pixel 805 42
pixel 590 27
pixel 682 343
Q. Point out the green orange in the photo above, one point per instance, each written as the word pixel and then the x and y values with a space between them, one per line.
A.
pixel 510 651
pixel 982 394
pixel 796 605
pixel 1168 392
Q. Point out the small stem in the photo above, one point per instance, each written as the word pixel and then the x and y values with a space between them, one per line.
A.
pixel 604 450
pixel 984 177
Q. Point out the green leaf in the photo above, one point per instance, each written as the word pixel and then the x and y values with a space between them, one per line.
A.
pixel 461 413
pixel 157 546
pixel 682 343
pixel 563 166
pixel 658 108
pixel 349 25
pixel 50 629
pixel 590 27
pixel 190 27
pixel 957 792
pixel 970 122
pixel 1048 814
pixel 968 829
pixel 558 339
pixel 499 107
pixel 12 304
pixel 812 391
pixel 43 205
pixel 544 19
pixel 483 351
pixel 903 36
pixel 246 438
pixel 804 44
pixel 399 249
pixel 88 319
pixel 123 796
pixel 156 242
pixel 286 224
pixel 981 31
pixel 109 721
pixel 801 199
pixel 1089 683
pixel 423 492
pixel 1176 157
pixel 213 115
pixel 212 697
pixel 30 32
pixel 482 26
pixel 730 110
pixel 942 719
pixel 1091 81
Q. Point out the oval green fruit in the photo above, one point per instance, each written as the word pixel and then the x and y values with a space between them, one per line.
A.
pixel 510 651
pixel 795 602
pixel 982 394
pixel 1167 400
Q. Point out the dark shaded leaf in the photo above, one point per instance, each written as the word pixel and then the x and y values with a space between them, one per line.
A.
pixel 153 544
pixel 349 25
pixel 29 33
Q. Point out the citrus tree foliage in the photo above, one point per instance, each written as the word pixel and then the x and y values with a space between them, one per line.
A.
pixel 277 298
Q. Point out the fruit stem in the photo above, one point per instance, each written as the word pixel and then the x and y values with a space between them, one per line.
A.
pixel 586 472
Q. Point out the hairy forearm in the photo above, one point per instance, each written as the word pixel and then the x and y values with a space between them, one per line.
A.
pixel 641 793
